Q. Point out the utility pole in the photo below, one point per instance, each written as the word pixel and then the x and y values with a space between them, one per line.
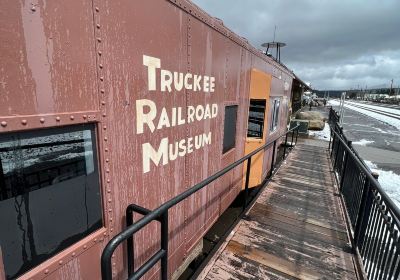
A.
pixel 391 87
pixel 341 107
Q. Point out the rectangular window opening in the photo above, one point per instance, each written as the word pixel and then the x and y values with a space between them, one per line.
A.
pixel 275 115
pixel 49 193
pixel 229 128
pixel 256 118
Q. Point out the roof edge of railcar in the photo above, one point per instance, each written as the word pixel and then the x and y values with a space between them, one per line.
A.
pixel 217 24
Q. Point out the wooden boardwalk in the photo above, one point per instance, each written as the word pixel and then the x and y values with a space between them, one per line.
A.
pixel 295 229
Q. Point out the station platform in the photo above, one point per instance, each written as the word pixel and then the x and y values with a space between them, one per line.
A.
pixel 296 228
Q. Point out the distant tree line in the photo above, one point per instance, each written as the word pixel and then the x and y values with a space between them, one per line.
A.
pixel 353 93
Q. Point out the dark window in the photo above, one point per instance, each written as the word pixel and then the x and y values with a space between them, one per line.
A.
pixel 275 115
pixel 256 118
pixel 229 128
pixel 49 193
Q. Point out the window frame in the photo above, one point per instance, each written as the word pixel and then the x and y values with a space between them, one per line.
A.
pixel 263 119
pixel 90 239
pixel 275 115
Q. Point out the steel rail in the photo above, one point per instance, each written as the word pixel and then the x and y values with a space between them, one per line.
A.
pixel 388 114
pixel 382 105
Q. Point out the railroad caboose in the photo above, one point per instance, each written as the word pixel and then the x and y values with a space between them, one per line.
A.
pixel 108 103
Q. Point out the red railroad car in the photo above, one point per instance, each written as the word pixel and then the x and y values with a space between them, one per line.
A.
pixel 107 103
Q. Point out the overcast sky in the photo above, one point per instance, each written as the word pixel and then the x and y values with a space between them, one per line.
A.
pixel 335 44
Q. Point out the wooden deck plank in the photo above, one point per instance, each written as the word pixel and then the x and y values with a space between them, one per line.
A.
pixel 287 227
pixel 306 209
pixel 301 197
pixel 322 226
pixel 335 223
pixel 295 229
pixel 237 268
pixel 267 233
pixel 303 254
pixel 301 192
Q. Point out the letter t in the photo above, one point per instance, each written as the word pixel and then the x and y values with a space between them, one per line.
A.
pixel 152 64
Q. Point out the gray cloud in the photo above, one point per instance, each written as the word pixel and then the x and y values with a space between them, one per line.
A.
pixel 332 44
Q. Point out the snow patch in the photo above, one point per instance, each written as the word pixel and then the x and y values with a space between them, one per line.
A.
pixel 321 134
pixel 389 181
pixel 380 117
pixel 363 142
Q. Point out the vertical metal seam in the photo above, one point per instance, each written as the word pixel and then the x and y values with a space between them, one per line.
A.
pixel 243 112
pixel 186 161
pixel 103 139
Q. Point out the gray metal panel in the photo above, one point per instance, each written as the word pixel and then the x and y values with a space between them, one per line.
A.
pixel 303 125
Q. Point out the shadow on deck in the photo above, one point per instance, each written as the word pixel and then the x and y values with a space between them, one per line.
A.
pixel 295 230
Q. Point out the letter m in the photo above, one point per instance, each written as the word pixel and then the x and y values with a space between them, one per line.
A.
pixel 155 156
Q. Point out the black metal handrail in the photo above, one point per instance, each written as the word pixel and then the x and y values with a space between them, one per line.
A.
pixel 373 216
pixel 160 214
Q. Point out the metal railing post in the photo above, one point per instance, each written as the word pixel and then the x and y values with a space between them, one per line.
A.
pixel 337 151
pixel 291 143
pixel 284 147
pixel 129 241
pixel 246 186
pixel 106 270
pixel 364 212
pixel 273 159
pixel 344 167
pixel 297 134
pixel 164 245
pixel 330 138
pixel 341 130
pixel 333 141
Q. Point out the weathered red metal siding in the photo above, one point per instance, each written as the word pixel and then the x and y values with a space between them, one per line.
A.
pixel 47 56
pixel 72 62
pixel 128 31
pixel 213 54
pixel 47 79
pixel 196 48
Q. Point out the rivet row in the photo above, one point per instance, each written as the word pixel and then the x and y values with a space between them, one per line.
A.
pixel 104 114
pixel 41 120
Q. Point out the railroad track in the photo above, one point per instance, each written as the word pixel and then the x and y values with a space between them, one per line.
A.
pixel 392 115
pixel 384 105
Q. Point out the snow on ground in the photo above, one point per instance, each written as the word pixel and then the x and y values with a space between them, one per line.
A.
pixel 389 181
pixel 363 142
pixel 321 134
pixel 381 108
pixel 382 118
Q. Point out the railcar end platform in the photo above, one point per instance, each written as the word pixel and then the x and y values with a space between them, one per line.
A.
pixel 296 229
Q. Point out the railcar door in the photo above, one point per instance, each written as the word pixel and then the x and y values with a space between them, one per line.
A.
pixel 260 86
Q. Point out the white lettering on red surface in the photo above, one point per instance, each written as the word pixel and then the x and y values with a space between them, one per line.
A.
pixel 150 116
